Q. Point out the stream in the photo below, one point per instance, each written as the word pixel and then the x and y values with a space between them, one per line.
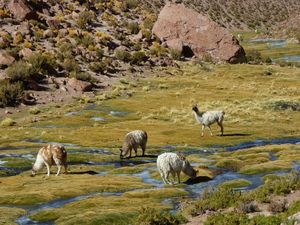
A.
pixel 193 188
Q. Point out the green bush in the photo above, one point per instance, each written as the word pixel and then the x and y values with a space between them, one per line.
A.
pixel 85 18
pixel 71 65
pixel 175 54
pixel 19 71
pixel 123 55
pixel 84 76
pixel 7 122
pixel 10 93
pixel 98 67
pixel 150 216
pixel 129 4
pixel 86 40
pixel 285 105
pixel 34 111
pixel 253 56
pixel 138 57
pixel 231 218
pixel 133 27
pixel 65 51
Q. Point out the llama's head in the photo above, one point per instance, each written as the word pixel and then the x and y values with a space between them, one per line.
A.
pixel 188 169
pixel 123 152
pixel 195 108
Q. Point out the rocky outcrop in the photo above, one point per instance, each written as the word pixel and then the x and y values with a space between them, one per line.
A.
pixel 21 9
pixel 6 59
pixel 80 85
pixel 185 29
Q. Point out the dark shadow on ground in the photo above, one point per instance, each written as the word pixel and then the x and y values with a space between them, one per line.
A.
pixel 234 135
pixel 197 180
pixel 90 172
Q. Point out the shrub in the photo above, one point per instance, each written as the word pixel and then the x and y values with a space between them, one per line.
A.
pixel 129 4
pixel 148 23
pixel 253 56
pixel 86 40
pixel 19 71
pixel 133 27
pixel 71 65
pixel 284 105
pixel 34 111
pixel 231 218
pixel 248 207
pixel 150 216
pixel 10 93
pixel 268 71
pixel 278 206
pixel 98 67
pixel 65 51
pixel 123 55
pixel 157 50
pixel 38 63
pixel 138 57
pixel 84 76
pixel 7 122
pixel 85 18
pixel 175 54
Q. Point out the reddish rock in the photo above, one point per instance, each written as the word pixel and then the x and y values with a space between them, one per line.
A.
pixel 21 9
pixel 198 34
pixel 6 59
pixel 80 85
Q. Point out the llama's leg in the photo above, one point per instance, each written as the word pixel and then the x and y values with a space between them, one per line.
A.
pixel 167 178
pixel 58 169
pixel 58 164
pixel 143 149
pixel 48 169
pixel 130 150
pixel 222 128
pixel 178 177
pixel 174 177
pixel 211 134
pixel 162 174
pixel 135 150
pixel 66 167
pixel 202 131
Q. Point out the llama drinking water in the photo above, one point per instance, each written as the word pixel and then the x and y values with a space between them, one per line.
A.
pixel 208 118
pixel 133 140
pixel 50 155
pixel 173 163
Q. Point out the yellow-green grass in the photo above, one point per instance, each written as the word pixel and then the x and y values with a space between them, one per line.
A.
pixel 238 183
pixel 266 167
pixel 131 169
pixel 100 210
pixel 156 193
pixel 242 91
pixel 19 163
pixel 26 190
pixel 9 215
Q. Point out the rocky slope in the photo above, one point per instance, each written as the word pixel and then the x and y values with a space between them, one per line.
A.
pixel 241 14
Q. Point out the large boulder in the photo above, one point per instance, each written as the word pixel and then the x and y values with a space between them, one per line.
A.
pixel 21 9
pixel 185 29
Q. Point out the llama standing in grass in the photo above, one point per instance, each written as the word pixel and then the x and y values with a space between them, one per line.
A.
pixel 50 155
pixel 208 118
pixel 173 163
pixel 133 140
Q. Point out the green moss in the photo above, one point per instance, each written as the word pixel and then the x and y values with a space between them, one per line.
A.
pixel 25 190
pixel 19 163
pixel 9 215
pixel 156 193
pixel 266 167
pixel 7 122
pixel 230 163
pixel 99 210
pixel 236 183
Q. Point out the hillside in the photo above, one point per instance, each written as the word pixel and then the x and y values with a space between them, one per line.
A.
pixel 244 14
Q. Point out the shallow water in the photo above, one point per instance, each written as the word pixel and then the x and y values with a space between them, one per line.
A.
pixel 291 58
pixel 273 43
pixel 195 189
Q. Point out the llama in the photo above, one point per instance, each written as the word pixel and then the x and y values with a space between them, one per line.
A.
pixel 133 140
pixel 208 118
pixel 173 163
pixel 50 155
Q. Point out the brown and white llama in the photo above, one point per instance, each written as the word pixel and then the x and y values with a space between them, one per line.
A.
pixel 133 140
pixel 50 155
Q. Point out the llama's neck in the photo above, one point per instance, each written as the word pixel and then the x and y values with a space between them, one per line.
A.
pixel 198 115
pixel 39 163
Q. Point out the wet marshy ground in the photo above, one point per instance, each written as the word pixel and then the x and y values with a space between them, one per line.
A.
pixel 145 169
